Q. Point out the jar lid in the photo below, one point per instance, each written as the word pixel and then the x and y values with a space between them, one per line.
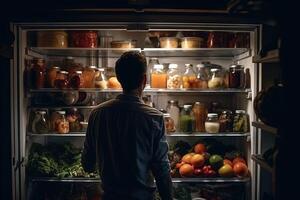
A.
pixel 158 66
pixel 227 112
pixel 236 66
pixel 63 72
pixel 173 66
pixel 166 115
pixel 214 69
pixel 55 67
pixel 173 101
pixel 198 103
pixel 187 106
pixel 101 69
pixel 62 112
pixel 92 67
pixel 188 65
pixel 200 65
pixel 78 72
pixel 40 112
pixel 212 115
pixel 240 111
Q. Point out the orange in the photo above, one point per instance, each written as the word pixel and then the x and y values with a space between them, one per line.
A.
pixel 200 148
pixel 197 160
pixel 240 169
pixel 186 170
pixel 239 159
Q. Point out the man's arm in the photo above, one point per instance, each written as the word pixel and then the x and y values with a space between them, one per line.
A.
pixel 89 155
pixel 160 163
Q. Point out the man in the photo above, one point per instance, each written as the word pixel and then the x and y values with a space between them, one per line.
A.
pixel 125 139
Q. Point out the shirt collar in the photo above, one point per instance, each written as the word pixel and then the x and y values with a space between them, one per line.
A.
pixel 128 97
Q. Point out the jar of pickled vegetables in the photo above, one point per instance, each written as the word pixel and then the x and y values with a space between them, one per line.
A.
pixel 74 118
pixel 226 121
pixel 61 80
pixel 53 118
pixel 40 124
pixel 62 125
pixel 88 75
pixel 187 119
pixel 169 123
pixel 217 79
pixel 100 79
pixel 212 124
pixel 189 78
pixel 200 113
pixel 158 77
pixel 241 121
pixel 174 77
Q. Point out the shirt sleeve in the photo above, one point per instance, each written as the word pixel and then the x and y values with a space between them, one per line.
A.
pixel 89 155
pixel 160 163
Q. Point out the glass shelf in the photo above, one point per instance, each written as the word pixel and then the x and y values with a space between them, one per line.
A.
pixel 71 134
pixel 149 52
pixel 147 90
pixel 61 107
pixel 174 180
pixel 204 134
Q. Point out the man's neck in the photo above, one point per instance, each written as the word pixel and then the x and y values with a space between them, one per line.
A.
pixel 137 93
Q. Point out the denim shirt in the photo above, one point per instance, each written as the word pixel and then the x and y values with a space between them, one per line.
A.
pixel 126 141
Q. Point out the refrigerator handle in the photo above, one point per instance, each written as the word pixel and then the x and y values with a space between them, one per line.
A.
pixel 18 163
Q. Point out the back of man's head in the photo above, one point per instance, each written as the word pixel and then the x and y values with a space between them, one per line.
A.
pixel 130 70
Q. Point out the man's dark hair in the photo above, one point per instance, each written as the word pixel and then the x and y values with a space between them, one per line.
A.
pixel 130 68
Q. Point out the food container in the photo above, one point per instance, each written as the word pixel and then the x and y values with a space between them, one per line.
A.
pixel 226 121
pixel 189 79
pixel 202 77
pixel 40 124
pixel 38 73
pixel 83 125
pixel 100 79
pixel 174 111
pixel 212 124
pixel 74 118
pixel 76 80
pixel 191 42
pixel 169 123
pixel 61 80
pixel 168 42
pixel 200 113
pixel 88 75
pixel 150 68
pixel 53 118
pixel 241 121
pixel 216 80
pixel 123 44
pixel 236 76
pixel 70 97
pixel 187 119
pixel 51 76
pixel 62 124
pixel 84 39
pixel 220 40
pixel 174 77
pixel 57 39
pixel 158 77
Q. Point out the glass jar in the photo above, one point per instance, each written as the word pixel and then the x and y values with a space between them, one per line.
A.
pixel 61 80
pixel 158 77
pixel 241 121
pixel 88 75
pixel 169 123
pixel 189 79
pixel 174 77
pixel 147 100
pixel 57 39
pixel 84 39
pixel 202 77
pixel 212 124
pixel 53 118
pixel 38 73
pixel 200 113
pixel 51 76
pixel 152 62
pixel 40 124
pixel 242 40
pixel 62 124
pixel 216 79
pixel 174 111
pixel 187 119
pixel 226 121
pixel 76 80
pixel 236 76
pixel 100 79
pixel 74 118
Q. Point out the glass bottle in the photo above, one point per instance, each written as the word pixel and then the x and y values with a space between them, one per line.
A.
pixel 174 111
pixel 76 80
pixel 147 100
pixel 158 77
pixel 53 118
pixel 62 124
pixel 217 79
pixel 38 72
pixel 88 75
pixel 202 77
pixel 169 123
pixel 226 121
pixel 241 121
pixel 74 118
pixel 189 79
pixel 174 77
pixel 100 79
pixel 187 119
pixel 200 113
pixel 152 62
pixel 61 80
pixel 212 124
pixel 236 74
pixel 40 124
pixel 51 76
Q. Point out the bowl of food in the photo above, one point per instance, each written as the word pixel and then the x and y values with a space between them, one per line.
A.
pixel 168 42
pixel 191 42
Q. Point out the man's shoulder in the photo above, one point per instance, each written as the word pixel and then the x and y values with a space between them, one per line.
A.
pixel 148 110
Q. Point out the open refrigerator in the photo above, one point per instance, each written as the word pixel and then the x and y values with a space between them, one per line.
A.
pixel 29 99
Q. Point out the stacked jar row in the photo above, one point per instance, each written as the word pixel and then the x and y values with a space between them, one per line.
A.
pixel 56 121
pixel 195 118
pixel 208 76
